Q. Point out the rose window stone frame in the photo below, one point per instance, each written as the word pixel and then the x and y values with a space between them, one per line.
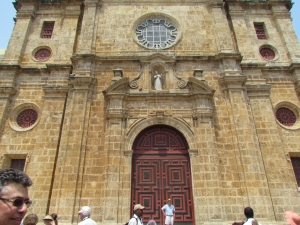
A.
pixel 156 31
pixel 24 117
pixel 287 115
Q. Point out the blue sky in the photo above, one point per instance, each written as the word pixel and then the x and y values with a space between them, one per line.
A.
pixel 7 13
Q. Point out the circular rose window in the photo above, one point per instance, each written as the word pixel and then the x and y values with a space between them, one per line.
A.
pixel 27 118
pixel 286 116
pixel 42 54
pixel 156 33
pixel 267 53
pixel 24 117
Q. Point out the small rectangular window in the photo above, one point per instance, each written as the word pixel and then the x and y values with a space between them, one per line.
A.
pixel 260 30
pixel 47 30
pixel 296 167
pixel 18 164
pixel 17 161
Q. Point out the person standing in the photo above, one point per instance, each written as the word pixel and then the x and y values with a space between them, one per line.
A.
pixel 85 214
pixel 137 216
pixel 249 214
pixel 50 219
pixel 169 212
pixel 14 198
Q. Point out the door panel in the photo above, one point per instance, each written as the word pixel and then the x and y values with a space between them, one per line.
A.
pixel 161 170
pixel 159 178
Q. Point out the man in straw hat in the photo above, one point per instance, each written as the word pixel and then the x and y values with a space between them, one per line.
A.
pixel 169 212
pixel 137 217
pixel 85 213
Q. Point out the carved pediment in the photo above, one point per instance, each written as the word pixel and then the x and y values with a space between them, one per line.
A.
pixel 196 86
pixel 119 87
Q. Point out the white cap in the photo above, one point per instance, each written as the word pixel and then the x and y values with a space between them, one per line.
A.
pixel 85 210
pixel 138 206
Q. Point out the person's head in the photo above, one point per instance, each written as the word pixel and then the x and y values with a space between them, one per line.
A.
pixel 31 219
pixel 248 211
pixel 169 201
pixel 14 198
pixel 151 222
pixel 85 211
pixel 48 220
pixel 138 210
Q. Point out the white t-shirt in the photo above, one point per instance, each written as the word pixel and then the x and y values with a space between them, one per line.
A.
pixel 87 221
pixel 249 222
pixel 135 221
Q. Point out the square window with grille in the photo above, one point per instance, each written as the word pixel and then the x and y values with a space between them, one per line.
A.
pixel 260 31
pixel 296 167
pixel 18 164
pixel 16 161
pixel 47 30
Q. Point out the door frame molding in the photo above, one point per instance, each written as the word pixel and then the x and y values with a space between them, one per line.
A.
pixel 178 124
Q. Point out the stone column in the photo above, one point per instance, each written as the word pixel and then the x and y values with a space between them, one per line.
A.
pixel 67 196
pixel 88 28
pixel 205 171
pixel 223 33
pixel 114 141
pixel 272 150
pixel 44 164
pixel 252 180
pixel 7 90
pixel 18 40
pixel 286 30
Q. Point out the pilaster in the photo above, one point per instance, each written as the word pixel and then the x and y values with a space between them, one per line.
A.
pixel 223 34
pixel 286 30
pixel 252 183
pixel 18 40
pixel 69 171
pixel 271 148
pixel 88 29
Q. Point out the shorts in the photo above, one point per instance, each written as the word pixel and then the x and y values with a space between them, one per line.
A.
pixel 169 220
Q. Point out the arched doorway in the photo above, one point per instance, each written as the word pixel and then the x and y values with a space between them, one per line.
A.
pixel 161 170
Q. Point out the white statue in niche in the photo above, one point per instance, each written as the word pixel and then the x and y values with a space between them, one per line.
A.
pixel 157 81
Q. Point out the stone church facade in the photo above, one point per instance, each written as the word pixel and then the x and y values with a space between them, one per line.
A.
pixel 109 103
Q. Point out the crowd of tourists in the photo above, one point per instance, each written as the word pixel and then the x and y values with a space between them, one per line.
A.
pixel 14 202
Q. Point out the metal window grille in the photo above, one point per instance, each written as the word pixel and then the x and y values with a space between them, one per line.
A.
pixel 296 167
pixel 18 164
pixel 267 53
pixel 47 29
pixel 286 116
pixel 260 31
pixel 27 118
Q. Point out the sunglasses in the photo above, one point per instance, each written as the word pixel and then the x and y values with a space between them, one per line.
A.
pixel 18 202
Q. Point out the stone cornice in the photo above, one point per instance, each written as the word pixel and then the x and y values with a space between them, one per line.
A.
pixel 233 81
pixel 50 89
pixel 9 90
pixel 258 90
pixel 171 58
pixel 9 66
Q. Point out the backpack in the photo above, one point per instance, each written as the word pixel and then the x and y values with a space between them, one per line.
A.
pixel 130 219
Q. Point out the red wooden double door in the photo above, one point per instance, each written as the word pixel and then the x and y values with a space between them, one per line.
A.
pixel 161 170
